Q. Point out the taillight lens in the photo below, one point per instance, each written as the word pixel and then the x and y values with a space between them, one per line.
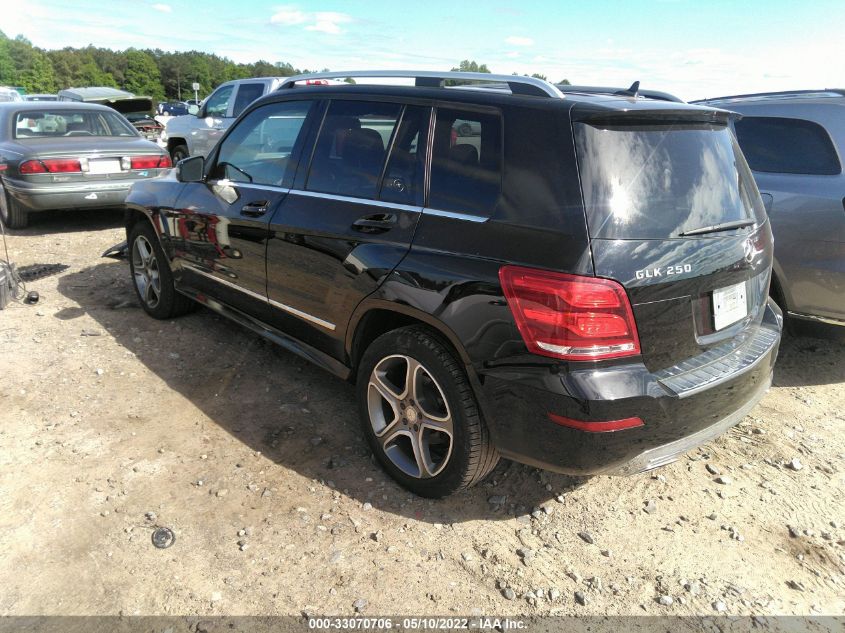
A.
pixel 51 166
pixel 569 316
pixel 150 162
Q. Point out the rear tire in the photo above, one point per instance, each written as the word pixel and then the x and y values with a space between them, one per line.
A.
pixel 426 431
pixel 152 277
pixel 178 153
pixel 13 213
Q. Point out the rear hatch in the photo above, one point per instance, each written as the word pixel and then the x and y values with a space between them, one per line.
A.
pixel 674 216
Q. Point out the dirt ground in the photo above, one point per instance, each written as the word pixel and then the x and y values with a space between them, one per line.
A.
pixel 254 459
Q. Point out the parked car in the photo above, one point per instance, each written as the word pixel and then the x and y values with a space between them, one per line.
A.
pixel 196 133
pixel 137 109
pixel 794 142
pixel 41 97
pixel 9 94
pixel 173 108
pixel 57 155
pixel 582 287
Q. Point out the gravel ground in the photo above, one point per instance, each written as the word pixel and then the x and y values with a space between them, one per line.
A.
pixel 112 423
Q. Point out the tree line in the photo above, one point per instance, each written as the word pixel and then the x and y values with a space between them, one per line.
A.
pixel 159 74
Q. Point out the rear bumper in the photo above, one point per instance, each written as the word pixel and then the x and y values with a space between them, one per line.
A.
pixel 42 197
pixel 680 408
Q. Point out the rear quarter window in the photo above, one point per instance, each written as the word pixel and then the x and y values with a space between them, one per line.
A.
pixel 466 164
pixel 787 146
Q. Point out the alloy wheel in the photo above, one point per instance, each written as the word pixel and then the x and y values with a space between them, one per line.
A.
pixel 410 416
pixel 146 271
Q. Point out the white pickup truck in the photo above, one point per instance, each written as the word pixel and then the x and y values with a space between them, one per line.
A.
pixel 195 134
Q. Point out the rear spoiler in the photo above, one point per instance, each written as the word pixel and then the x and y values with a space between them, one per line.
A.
pixel 656 116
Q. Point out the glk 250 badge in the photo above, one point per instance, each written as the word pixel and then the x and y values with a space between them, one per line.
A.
pixel 667 271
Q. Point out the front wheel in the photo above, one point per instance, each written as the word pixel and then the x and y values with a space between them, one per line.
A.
pixel 152 277
pixel 420 416
pixel 178 153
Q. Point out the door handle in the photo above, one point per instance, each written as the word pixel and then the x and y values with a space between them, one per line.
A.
pixel 255 209
pixel 376 223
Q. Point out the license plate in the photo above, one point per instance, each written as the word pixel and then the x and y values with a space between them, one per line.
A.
pixel 729 305
pixel 106 166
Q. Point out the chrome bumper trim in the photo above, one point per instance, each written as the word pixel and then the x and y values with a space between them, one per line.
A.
pixel 668 453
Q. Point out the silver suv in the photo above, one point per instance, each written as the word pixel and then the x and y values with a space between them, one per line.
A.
pixel 795 143
pixel 196 133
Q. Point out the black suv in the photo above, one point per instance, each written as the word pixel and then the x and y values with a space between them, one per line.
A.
pixel 576 282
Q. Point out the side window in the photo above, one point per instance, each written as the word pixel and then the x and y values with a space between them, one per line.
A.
pixel 218 102
pixel 466 165
pixel 787 146
pixel 351 148
pixel 247 93
pixel 258 149
pixel 403 176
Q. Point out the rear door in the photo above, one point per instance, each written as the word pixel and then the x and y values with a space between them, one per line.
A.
pixel 219 231
pixel 349 219
pixel 657 194
pixel 796 165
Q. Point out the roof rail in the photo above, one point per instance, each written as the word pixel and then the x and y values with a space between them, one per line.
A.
pixel 779 93
pixel 432 79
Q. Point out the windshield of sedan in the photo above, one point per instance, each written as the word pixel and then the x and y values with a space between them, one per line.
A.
pixel 51 124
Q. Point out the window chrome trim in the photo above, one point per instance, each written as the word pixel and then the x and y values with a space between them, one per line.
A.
pixel 290 309
pixel 225 182
pixel 468 217
pixel 376 203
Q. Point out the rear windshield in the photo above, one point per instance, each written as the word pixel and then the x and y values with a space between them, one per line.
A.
pixel 47 124
pixel 658 181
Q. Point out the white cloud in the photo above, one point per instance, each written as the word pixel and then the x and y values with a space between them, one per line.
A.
pixel 288 16
pixel 517 40
pixel 321 21
pixel 329 22
pixel 164 8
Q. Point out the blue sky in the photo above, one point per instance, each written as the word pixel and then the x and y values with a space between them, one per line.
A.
pixel 692 48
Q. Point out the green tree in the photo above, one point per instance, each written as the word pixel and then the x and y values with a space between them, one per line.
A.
pixel 142 75
pixel 565 82
pixel 539 76
pixel 467 66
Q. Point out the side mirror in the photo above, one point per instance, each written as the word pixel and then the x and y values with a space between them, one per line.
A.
pixel 193 109
pixel 191 169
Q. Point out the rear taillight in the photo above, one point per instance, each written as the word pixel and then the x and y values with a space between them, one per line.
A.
pixel 157 161
pixel 569 316
pixel 316 82
pixel 51 166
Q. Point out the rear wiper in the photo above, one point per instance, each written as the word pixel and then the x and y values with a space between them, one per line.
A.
pixel 715 228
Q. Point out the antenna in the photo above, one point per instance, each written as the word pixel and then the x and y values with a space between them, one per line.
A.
pixel 633 91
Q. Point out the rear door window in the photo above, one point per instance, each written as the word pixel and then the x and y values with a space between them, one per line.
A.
pixel 466 165
pixel 403 176
pixel 246 94
pixel 658 181
pixel 787 146
pixel 351 149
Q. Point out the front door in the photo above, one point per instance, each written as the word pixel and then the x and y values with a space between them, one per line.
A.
pixel 215 119
pixel 220 228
